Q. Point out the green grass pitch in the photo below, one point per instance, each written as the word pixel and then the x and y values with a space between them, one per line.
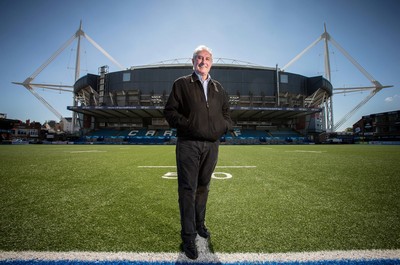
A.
pixel 114 198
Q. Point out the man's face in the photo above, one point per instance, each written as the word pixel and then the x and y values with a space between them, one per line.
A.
pixel 202 63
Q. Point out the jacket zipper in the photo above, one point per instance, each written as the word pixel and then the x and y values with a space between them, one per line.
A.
pixel 208 113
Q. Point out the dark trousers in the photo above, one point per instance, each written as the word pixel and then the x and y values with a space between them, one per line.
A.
pixel 196 161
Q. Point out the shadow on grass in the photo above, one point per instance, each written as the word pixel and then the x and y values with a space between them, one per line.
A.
pixel 206 253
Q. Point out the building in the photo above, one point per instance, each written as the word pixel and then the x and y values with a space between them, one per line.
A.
pixel 264 101
pixel 6 128
pixel 382 127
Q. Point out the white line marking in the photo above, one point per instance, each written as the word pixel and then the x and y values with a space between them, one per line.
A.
pixel 89 151
pixel 204 256
pixel 156 166
pixel 216 166
pixel 236 166
pixel 305 151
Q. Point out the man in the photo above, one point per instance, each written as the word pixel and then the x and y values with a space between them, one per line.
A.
pixel 198 108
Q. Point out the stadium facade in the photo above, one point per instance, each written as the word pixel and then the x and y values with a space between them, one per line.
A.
pixel 266 104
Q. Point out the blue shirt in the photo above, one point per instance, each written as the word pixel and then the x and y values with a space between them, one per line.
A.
pixel 204 83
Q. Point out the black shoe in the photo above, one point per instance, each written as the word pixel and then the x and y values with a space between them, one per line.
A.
pixel 203 232
pixel 190 249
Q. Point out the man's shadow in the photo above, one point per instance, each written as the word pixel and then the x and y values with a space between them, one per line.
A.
pixel 206 253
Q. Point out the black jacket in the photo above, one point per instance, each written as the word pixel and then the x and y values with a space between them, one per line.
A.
pixel 194 118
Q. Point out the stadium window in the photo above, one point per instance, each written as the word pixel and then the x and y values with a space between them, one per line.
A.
pixel 284 79
pixel 126 77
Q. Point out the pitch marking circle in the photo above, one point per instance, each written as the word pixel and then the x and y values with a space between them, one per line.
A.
pixel 225 175
pixel 215 175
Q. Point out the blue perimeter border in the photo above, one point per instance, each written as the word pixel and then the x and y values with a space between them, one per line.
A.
pixel 326 262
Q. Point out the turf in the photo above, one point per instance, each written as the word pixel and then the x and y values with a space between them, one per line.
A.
pixel 296 198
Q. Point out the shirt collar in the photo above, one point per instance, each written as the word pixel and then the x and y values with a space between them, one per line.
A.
pixel 201 79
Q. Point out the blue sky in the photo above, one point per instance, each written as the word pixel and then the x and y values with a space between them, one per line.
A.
pixel 264 32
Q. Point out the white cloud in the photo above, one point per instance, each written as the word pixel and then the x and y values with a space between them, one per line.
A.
pixel 391 99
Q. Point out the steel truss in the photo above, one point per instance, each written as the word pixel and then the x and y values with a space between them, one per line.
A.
pixel 327 105
pixel 68 88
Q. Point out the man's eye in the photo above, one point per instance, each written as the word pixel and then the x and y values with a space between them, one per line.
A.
pixel 200 58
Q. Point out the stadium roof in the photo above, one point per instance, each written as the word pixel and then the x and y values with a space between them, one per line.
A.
pixel 237 113
pixel 219 62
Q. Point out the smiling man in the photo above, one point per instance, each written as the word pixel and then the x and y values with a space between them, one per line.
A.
pixel 198 108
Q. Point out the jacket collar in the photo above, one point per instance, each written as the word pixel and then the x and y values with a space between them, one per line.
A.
pixel 194 77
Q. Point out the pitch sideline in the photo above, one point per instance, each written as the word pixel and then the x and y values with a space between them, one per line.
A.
pixel 205 257
pixel 322 257
pixel 216 166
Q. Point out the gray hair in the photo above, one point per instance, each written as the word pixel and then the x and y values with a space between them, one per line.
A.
pixel 201 48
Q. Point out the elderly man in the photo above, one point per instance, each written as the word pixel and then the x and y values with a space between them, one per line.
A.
pixel 198 108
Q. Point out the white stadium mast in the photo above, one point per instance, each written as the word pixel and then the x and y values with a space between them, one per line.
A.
pixel 376 85
pixel 68 88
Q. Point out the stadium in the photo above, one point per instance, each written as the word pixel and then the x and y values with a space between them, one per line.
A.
pixel 267 105
pixel 279 204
